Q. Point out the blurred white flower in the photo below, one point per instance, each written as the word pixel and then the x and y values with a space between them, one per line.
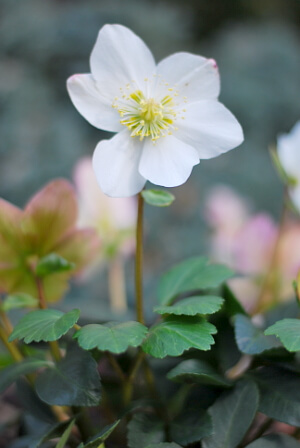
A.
pixel 113 218
pixel 288 149
pixel 167 117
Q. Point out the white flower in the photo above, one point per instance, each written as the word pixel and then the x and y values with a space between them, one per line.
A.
pixel 288 149
pixel 167 117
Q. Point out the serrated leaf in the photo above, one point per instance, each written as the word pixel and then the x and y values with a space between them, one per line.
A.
pixel 275 441
pixel 232 306
pixel 53 264
pixel 251 339
pixel 176 334
pixel 102 436
pixel 288 331
pixel 114 337
pixel 192 306
pixel 197 371
pixel 158 198
pixel 232 414
pixel 192 274
pixel 16 301
pixel 191 426
pixel 73 381
pixel 144 430
pixel 280 394
pixel 44 325
pixel 65 436
pixel 11 373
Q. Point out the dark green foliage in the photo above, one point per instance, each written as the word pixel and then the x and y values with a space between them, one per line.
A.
pixel 73 381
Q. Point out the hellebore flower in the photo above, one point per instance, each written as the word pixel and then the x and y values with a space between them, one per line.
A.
pixel 47 225
pixel 167 117
pixel 288 149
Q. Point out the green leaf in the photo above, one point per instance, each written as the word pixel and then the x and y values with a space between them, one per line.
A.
pixel 191 426
pixel 280 394
pixel 52 264
pixel 15 301
pixel 288 331
pixel 101 436
pixel 231 306
pixel 73 381
pixel 197 371
pixel 163 445
pixel 65 436
pixel 192 274
pixel 44 325
pixel 115 337
pixel 145 429
pixel 192 306
pixel 158 198
pixel 251 339
pixel 48 433
pixel 30 403
pixel 10 374
pixel 177 334
pixel 275 441
pixel 232 414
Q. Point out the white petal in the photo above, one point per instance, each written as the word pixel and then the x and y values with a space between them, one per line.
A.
pixel 210 128
pixel 91 104
pixel 288 147
pixel 168 162
pixel 194 76
pixel 115 163
pixel 118 58
pixel 295 196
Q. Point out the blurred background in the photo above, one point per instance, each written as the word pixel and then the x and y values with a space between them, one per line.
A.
pixel 256 44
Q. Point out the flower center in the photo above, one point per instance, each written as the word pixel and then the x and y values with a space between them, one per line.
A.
pixel 146 117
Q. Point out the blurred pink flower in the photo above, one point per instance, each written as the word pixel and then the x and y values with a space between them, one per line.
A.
pixel 113 218
pixel 46 225
pixel 247 242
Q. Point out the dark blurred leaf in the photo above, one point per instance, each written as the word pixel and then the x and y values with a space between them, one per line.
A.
pixel 11 373
pixel 288 331
pixel 144 430
pixel 192 274
pixel 44 325
pixel 52 264
pixel 32 404
pixel 232 414
pixel 232 305
pixel 158 198
pixel 192 306
pixel 114 337
pixel 275 441
pixel 96 441
pixel 191 426
pixel 251 339
pixel 73 381
pixel 197 371
pixel 65 436
pixel 279 393
pixel 176 334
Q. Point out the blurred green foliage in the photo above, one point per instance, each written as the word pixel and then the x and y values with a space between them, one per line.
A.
pixel 256 45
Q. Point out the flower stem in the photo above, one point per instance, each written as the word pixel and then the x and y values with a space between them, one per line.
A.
pixel 139 261
pixel 116 284
pixel 54 347
pixel 11 347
